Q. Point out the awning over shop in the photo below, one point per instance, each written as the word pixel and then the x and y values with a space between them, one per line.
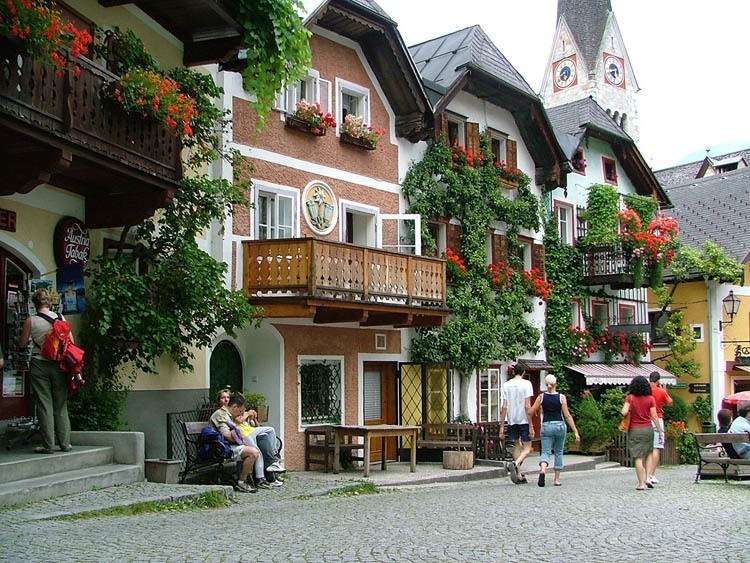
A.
pixel 619 374
pixel 742 368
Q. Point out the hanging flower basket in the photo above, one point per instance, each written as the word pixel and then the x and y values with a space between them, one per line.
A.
pixel 301 125
pixel 365 144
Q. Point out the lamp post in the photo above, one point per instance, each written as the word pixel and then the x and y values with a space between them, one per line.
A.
pixel 731 306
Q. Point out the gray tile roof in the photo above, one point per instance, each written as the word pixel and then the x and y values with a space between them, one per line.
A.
pixel 717 209
pixel 575 118
pixel 586 20
pixel 372 7
pixel 684 173
pixel 441 61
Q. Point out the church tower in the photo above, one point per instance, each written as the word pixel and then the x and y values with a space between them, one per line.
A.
pixel 588 59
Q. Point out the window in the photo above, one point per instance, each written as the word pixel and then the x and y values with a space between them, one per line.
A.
pixel 456 131
pixel 600 313
pixel 321 390
pixel 523 252
pixel 309 88
pixel 489 395
pixel 610 170
pixel 274 215
pixel 697 332
pixel 626 314
pixel 579 162
pixel 575 313
pixel 438 232
pixel 658 336
pixel 564 215
pixel 499 146
pixel 351 99
pixel 360 223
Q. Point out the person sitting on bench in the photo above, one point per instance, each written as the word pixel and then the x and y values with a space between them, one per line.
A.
pixel 741 425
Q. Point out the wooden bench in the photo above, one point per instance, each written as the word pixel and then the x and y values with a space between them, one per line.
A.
pixel 193 462
pixel 450 436
pixel 319 446
pixel 711 451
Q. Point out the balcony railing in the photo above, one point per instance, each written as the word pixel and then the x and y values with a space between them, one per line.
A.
pixel 607 265
pixel 70 107
pixel 319 269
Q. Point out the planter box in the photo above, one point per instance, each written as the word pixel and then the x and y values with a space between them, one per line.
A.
pixel 163 470
pixel 302 125
pixel 458 460
pixel 507 184
pixel 357 142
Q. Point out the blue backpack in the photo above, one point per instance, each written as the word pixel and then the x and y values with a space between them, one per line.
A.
pixel 212 446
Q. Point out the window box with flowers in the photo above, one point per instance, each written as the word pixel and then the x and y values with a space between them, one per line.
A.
pixel 355 132
pixel 310 118
pixel 507 177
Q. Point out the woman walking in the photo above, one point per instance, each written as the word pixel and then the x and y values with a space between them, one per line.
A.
pixel 641 406
pixel 554 406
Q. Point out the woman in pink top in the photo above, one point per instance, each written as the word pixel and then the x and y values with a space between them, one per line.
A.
pixel 641 405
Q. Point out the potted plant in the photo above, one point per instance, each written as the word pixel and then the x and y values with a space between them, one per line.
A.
pixel 310 118
pixel 257 402
pixel 702 410
pixel 355 132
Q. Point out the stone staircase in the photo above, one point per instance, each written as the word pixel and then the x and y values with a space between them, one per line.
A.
pixel 98 460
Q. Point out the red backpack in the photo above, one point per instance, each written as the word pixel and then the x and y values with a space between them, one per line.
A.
pixel 58 347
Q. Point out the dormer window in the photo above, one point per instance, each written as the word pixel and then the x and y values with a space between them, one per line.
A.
pixel 609 166
pixel 579 162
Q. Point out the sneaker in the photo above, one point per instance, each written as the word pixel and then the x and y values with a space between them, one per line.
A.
pixel 262 484
pixel 276 484
pixel 245 488
pixel 654 480
pixel 43 450
pixel 513 470
pixel 541 480
pixel 276 467
pixel 66 448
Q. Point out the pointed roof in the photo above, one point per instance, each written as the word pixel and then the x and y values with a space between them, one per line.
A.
pixel 715 208
pixel 587 20
pixel 686 173
pixel 574 121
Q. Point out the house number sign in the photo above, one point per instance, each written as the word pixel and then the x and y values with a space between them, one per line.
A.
pixel 72 242
pixel 319 205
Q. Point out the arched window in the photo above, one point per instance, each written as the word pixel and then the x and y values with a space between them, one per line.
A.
pixel 225 368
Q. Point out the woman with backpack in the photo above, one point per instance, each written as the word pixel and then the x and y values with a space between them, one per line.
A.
pixel 48 382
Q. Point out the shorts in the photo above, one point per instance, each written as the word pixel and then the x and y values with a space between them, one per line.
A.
pixel 518 431
pixel 657 444
pixel 237 452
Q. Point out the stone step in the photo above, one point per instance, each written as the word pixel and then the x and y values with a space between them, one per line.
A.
pixel 68 482
pixel 608 465
pixel 25 464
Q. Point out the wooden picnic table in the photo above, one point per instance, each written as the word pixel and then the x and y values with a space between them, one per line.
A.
pixel 381 431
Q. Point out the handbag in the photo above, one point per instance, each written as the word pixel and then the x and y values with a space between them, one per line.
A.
pixel 624 425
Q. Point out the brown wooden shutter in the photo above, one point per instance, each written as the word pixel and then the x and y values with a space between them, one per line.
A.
pixel 453 238
pixel 512 154
pixel 472 137
pixel 441 126
pixel 499 248
pixel 537 258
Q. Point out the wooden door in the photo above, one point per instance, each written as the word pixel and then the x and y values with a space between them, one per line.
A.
pixel 379 397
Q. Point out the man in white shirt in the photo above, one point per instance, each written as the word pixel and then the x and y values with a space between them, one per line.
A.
pixel 742 424
pixel 516 395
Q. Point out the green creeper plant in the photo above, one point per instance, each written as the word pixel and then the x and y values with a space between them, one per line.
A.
pixel 603 203
pixel 702 408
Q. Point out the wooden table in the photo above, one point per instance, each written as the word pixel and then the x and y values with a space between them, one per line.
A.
pixel 381 431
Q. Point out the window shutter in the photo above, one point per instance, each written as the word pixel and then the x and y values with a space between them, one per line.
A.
pixel 537 258
pixel 472 137
pixel 442 127
pixel 499 248
pixel 512 154
pixel 324 93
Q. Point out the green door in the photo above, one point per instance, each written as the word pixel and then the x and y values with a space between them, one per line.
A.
pixel 225 368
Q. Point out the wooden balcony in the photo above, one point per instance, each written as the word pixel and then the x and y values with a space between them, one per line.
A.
pixel 333 282
pixel 607 265
pixel 59 130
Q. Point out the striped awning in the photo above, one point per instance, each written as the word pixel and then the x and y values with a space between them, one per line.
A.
pixel 742 368
pixel 619 374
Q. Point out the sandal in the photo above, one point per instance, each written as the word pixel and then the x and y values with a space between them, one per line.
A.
pixel 541 479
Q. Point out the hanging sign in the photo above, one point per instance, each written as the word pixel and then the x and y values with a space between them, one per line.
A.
pixel 699 387
pixel 72 242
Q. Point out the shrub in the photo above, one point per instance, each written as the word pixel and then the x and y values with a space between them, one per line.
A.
pixel 612 401
pixel 590 423
pixel 678 410
pixel 702 408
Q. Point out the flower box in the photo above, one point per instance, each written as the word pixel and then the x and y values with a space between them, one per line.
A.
pixel 301 125
pixel 507 184
pixel 358 142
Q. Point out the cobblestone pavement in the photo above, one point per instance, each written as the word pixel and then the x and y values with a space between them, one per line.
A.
pixel 595 516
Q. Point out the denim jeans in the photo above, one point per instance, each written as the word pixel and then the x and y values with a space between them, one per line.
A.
pixel 553 435
pixel 263 438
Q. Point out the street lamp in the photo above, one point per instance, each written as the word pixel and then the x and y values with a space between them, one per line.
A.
pixel 731 306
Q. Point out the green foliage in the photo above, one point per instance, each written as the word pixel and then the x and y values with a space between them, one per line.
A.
pixel 278 49
pixel 601 215
pixel 485 324
pixel 702 408
pixel 123 50
pixel 687 449
pixel 209 499
pixel 677 411
pixel 591 425
pixel 682 343
pixel 254 400
pixel 710 261
pixel 644 206
pixel 361 488
pixel 98 405
pixel 611 403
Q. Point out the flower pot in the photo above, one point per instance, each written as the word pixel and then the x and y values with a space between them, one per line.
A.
pixel 358 142
pixel 458 460
pixel 507 184
pixel 162 470
pixel 293 122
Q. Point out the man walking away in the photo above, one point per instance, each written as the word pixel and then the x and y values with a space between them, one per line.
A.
pixel 661 397
pixel 516 395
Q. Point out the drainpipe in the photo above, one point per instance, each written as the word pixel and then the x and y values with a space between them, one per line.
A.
pixel 716 364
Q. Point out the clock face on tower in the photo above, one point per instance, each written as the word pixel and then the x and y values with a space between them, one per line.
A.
pixel 564 73
pixel 614 70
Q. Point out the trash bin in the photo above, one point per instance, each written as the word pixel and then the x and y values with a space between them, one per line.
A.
pixel 708 428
